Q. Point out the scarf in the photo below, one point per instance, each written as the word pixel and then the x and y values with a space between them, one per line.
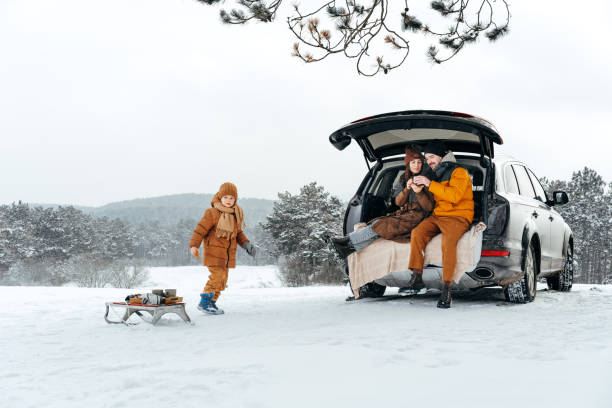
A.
pixel 446 167
pixel 227 220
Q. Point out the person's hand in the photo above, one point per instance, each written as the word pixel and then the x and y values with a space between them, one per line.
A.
pixel 422 180
pixel 417 189
pixel 250 248
pixel 194 252
pixel 409 183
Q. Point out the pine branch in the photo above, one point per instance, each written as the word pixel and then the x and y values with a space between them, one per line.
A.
pixel 355 30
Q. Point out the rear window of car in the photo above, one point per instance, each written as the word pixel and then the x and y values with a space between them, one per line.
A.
pixel 524 184
pixel 511 184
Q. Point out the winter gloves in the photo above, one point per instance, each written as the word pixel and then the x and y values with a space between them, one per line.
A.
pixel 250 248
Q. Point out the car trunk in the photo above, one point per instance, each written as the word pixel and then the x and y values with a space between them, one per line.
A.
pixel 383 140
pixel 387 135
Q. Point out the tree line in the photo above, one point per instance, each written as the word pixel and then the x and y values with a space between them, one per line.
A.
pixel 589 214
pixel 53 246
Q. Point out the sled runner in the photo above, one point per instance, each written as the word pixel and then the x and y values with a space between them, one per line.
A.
pixel 155 311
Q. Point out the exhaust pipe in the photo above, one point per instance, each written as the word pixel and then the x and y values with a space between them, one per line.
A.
pixel 483 274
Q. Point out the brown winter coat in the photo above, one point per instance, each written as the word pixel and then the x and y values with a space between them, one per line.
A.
pixel 414 207
pixel 217 251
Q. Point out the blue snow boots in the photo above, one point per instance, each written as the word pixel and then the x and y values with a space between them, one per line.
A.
pixel 207 305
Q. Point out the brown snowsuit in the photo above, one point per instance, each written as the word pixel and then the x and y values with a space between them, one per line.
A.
pixel 219 252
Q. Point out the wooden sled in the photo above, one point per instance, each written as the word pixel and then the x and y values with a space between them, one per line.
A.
pixel 156 312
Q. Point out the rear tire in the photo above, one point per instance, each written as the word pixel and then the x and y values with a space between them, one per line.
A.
pixel 524 290
pixel 372 290
pixel 563 282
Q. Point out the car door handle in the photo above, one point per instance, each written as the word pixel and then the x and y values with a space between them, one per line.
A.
pixel 534 214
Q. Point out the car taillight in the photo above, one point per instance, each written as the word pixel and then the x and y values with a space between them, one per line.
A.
pixel 494 253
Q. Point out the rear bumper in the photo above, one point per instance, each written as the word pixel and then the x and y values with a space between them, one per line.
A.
pixel 490 271
pixel 504 269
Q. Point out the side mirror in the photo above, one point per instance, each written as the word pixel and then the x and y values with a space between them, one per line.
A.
pixel 560 198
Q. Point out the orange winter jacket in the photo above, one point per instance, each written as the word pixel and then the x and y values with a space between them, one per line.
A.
pixel 217 251
pixel 453 193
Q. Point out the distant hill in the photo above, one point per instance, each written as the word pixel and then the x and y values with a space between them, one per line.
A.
pixel 171 209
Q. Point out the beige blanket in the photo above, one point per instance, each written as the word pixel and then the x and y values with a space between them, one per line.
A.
pixel 383 257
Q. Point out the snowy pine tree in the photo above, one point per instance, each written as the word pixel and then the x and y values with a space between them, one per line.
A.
pixel 39 246
pixel 589 214
pixel 298 226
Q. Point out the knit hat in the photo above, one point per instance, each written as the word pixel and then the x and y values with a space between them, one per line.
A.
pixel 435 147
pixel 413 152
pixel 228 189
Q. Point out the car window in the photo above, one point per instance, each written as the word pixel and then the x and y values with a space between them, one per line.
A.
pixel 539 190
pixel 511 184
pixel 525 187
pixel 384 185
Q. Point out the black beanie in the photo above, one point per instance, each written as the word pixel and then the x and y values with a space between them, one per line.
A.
pixel 436 147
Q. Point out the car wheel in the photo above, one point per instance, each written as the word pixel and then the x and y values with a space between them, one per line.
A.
pixel 372 290
pixel 524 290
pixel 563 282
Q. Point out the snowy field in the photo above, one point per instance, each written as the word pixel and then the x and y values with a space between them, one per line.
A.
pixel 305 347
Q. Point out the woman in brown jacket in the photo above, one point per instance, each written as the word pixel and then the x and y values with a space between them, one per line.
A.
pixel 221 231
pixel 415 203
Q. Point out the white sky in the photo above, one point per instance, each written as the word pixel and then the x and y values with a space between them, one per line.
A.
pixel 111 100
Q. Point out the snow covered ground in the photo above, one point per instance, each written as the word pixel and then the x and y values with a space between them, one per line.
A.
pixel 305 347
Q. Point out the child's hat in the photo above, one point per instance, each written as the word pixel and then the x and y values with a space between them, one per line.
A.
pixel 228 189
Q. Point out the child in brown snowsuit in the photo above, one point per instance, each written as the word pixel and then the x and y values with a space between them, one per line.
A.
pixel 221 231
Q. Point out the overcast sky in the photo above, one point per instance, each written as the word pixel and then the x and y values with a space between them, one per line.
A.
pixel 103 101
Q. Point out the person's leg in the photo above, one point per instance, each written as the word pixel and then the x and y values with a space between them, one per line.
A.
pixel 214 286
pixel 419 238
pixel 453 229
pixel 362 238
pixel 223 274
pixel 215 280
pixel 355 241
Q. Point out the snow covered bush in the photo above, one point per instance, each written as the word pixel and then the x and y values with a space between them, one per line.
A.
pixel 32 274
pixel 89 272
pixel 127 274
pixel 298 226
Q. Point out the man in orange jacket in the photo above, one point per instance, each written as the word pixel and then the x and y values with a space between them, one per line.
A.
pixel 452 216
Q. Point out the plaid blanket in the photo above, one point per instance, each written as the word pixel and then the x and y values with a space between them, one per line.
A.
pixel 383 257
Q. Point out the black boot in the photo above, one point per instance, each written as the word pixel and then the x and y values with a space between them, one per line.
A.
pixel 445 297
pixel 343 246
pixel 415 285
